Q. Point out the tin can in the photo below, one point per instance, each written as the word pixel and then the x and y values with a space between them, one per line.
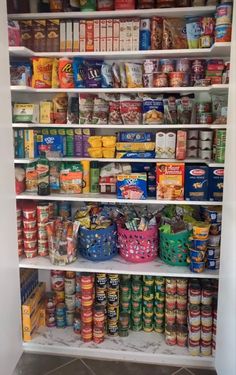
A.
pixel 205 348
pixel 70 318
pixel 113 312
pixel 70 301
pixel 50 302
pixel 159 328
pixel 181 316
pixel 136 287
pixel 160 79
pixel 86 300
pixel 148 292
pixel 207 294
pixel 223 33
pixel 206 316
pixel 170 316
pixel 170 335
pixel 29 213
pixel 170 301
pixel 181 302
pixel 224 14
pixel 99 316
pixel 220 154
pixel 98 334
pixel 213 264
pixel 160 296
pixel 220 137
pixel 86 333
pixel 167 65
pixel 194 294
pixel 57 280
pixel 171 286
pixel 113 297
pixel 60 296
pixel 42 248
pixel 113 281
pixel 136 327
pixel 125 278
pixel 194 347
pixel 101 297
pixel 160 281
pixel 182 336
pixel 194 333
pixel 182 287
pixel 87 315
pixel 194 315
pixel 77 323
pixel 50 320
pixel 27 224
pixel 206 334
pixel 101 280
pixel 69 285
pixel 148 280
pixel 42 213
pixel 215 229
pixel 113 330
pixel 42 233
pixel 124 325
pixel 86 280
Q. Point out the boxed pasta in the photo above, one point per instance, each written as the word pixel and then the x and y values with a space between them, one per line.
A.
pixel 116 34
pixel 170 181
pixel 196 182
pixel 216 184
pixel 62 36
pixel 122 34
pixel 135 34
pixel 128 35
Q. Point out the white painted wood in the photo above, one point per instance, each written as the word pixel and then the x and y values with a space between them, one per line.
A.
pixel 120 127
pixel 10 312
pixel 217 50
pixel 220 88
pixel 118 265
pixel 226 315
pixel 109 198
pixel 167 12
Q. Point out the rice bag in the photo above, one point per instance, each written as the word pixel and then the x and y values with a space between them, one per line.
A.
pixel 134 75
pixel 79 72
pixel 93 74
pixel 107 79
pixel 65 73
pixel 86 103
pixel 42 72
pixel 123 78
pixel 174 34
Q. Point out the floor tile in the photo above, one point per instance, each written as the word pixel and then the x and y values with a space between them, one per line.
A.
pixel 127 368
pixel 73 368
pixel 36 364
pixel 198 371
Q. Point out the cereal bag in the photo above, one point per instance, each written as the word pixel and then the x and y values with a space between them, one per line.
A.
pixel 42 72
pixel 65 73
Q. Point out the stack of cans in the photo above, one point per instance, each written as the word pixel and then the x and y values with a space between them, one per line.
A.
pixel 98 324
pixel 58 287
pixel 77 316
pixel 87 301
pixel 125 305
pixel 113 304
pixel 136 303
pixel 159 305
pixel 101 294
pixel 148 303
pixel 42 219
pixel 70 281
pixel 50 309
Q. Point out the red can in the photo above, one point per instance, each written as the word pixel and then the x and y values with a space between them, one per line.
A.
pixel 87 332
pixel 87 300
pixel 206 333
pixel 181 316
pixel 87 315
pixel 194 294
pixel 171 286
pixel 207 294
pixel 170 335
pixel 98 334
pixel 182 287
pixel 43 213
pixel 206 316
pixel 194 347
pixel 194 333
pixel 50 302
pixel 205 348
pixel 194 315
pixel 57 280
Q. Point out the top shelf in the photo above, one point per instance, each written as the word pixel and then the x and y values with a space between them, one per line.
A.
pixel 166 12
pixel 217 50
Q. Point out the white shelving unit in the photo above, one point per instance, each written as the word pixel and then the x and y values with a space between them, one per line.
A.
pixel 139 347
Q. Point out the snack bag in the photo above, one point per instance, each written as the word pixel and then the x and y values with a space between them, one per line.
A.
pixel 65 73
pixel 71 178
pixel 79 72
pixel 93 74
pixel 86 105
pixel 174 34
pixel 100 111
pixel 130 109
pixel 106 72
pixel 60 103
pixel 153 111
pixel 55 78
pixel 42 72
pixel 134 75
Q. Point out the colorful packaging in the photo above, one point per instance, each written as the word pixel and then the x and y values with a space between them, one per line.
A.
pixel 65 73
pixel 71 178
pixel 25 113
pixel 135 137
pixel 216 184
pixel 153 111
pixel 170 181
pixel 42 73
pixel 135 155
pixel 145 34
pixel 132 186
pixel 196 182
pixel 135 146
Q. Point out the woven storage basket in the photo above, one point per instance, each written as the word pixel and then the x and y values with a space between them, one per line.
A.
pixel 174 248
pixel 98 245
pixel 138 246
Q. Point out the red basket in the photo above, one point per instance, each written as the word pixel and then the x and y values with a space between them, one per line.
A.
pixel 137 246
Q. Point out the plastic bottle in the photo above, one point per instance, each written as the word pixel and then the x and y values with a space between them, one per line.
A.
pixel 86 176
pixel 42 169
pixel 94 177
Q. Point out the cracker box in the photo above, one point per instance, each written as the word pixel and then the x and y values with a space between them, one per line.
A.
pixel 196 182
pixel 62 36
pixel 135 137
pixel 89 36
pixel 135 34
pixel 29 142
pixel 82 33
pixel 160 145
pixel 46 112
pixel 69 36
pixel 76 36
pixel 132 186
pixel 128 35
pixel 216 184
pixel 170 181
pixel 122 34
pixel 96 25
pixel 53 35
pixel 116 34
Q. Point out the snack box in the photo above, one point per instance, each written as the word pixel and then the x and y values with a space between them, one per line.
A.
pixel 19 143
pixel 28 321
pixel 135 146
pixel 25 113
pixel 53 143
pixel 135 137
pixel 30 136
pixel 33 300
pixel 165 145
pixel 216 184
pixel 39 320
pixel 29 280
pixel 170 181
pixel 132 186
pixel 196 182
pixel 107 185
pixel 135 155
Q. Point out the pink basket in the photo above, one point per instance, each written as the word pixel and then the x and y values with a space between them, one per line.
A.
pixel 137 246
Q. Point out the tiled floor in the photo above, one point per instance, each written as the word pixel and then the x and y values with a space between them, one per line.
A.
pixel 35 364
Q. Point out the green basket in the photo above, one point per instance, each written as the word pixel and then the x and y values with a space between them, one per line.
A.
pixel 174 248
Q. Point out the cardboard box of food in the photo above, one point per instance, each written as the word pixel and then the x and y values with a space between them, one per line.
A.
pixel 31 303
pixel 170 181
pixel 196 182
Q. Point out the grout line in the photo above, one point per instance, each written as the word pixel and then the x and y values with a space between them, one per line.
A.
pixel 176 372
pixel 59 367
pixel 87 366
pixel 189 371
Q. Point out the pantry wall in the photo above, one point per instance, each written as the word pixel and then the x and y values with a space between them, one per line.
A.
pixel 225 362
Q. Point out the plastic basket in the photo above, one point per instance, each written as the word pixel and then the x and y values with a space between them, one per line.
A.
pixel 174 248
pixel 98 245
pixel 137 246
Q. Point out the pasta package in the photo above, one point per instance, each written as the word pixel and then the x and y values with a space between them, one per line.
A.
pixel 135 146
pixel 65 73
pixel 174 34
pixel 134 75
pixel 42 72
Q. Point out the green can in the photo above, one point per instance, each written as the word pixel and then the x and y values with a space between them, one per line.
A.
pixel 136 290
pixel 220 155
pixel 125 278
pixel 148 280
pixel 148 292
pixel 148 327
pixel 136 314
pixel 160 288
pixel 148 312
pixel 136 305
pixel 159 304
pixel 160 321
pixel 136 320
pixel 137 327
pixel 160 280
pixel 159 328
pixel 160 296
pixel 220 138
pixel 137 278
pixel 147 320
pixel 125 304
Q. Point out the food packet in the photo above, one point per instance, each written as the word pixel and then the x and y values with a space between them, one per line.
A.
pixel 100 111
pixel 156 33
pixel 60 103
pixel 65 73
pixel 71 178
pixel 219 108
pixel 153 111
pixel 123 78
pixel 95 141
pixel 174 35
pixel 114 112
pixel 130 110
pixel 20 73
pixel 134 75
pixel 170 110
pixel 193 29
pixel 93 74
pixel 109 140
pixel 42 72
pixel 86 104
pixel 106 72
pixel 73 109
pixel 55 77
pixel 116 75
pixel 184 110
pixel 79 72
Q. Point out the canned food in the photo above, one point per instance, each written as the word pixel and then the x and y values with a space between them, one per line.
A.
pixel 57 280
pixel 176 79
pixel 206 135
pixel 206 316
pixel 205 348
pixel 223 33
pixel 113 330
pixel 42 233
pixel 206 333
pixel 50 320
pixel 43 248
pixel 60 295
pixel 50 302
pixel 98 335
pixel 43 213
pixel 77 323
pixel 194 294
pixel 69 318
pixel 170 335
pixel 87 315
pixel 170 301
pixel 113 312
pixel 160 79
pixel 69 285
pixel 113 281
pixel 113 297
pixel 182 336
pixel 171 286
pixel 148 280
pixel 86 333
pixel 213 264
pixel 194 333
pixel 167 65
pixel 194 315
pixel 224 14
pixel 170 316
pixel 60 310
pixel 30 245
pixel 101 280
pixel 206 297
pixel 194 347
pixel 29 213
pixel 70 301
pixel 87 300
pixel 29 224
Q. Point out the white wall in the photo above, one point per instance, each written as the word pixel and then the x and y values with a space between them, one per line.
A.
pixel 10 329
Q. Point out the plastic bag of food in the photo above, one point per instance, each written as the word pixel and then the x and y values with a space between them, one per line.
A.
pixel 184 109
pixel 123 78
pixel 93 74
pixel 71 178
pixel 95 141
pixel 65 73
pixel 20 73
pixel 156 33
pixel 130 110
pixel 170 110
pixel 116 75
pixel 42 72
pixel 55 77
pixel 100 111
pixel 153 111
pixel 174 34
pixel 134 75
pixel 73 109
pixel 107 79
pixel 60 103
pixel 114 112
pixel 193 29
pixel 219 108
pixel 79 72
pixel 86 104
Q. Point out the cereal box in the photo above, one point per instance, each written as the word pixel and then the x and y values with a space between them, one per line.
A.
pixel 62 36
pixel 69 36
pixel 170 181
pixel 116 34
pixel 26 33
pixel 96 25
pixel 216 183
pixel 39 35
pixel 53 35
pixel 89 36
pixel 196 183
pixel 135 34
pixel 76 36
pixel 109 34
pixel 132 186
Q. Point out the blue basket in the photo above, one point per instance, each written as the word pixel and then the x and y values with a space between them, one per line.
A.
pixel 98 245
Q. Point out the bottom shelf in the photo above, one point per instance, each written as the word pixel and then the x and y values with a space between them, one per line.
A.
pixel 137 347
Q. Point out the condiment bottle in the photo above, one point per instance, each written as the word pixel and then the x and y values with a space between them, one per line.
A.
pixel 42 169
pixel 94 177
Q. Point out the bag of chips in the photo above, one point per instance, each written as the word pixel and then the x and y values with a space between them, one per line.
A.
pixel 107 79
pixel 65 73
pixel 86 103
pixel 60 103
pixel 174 34
pixel 42 72
pixel 79 72
pixel 134 75
pixel 93 74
